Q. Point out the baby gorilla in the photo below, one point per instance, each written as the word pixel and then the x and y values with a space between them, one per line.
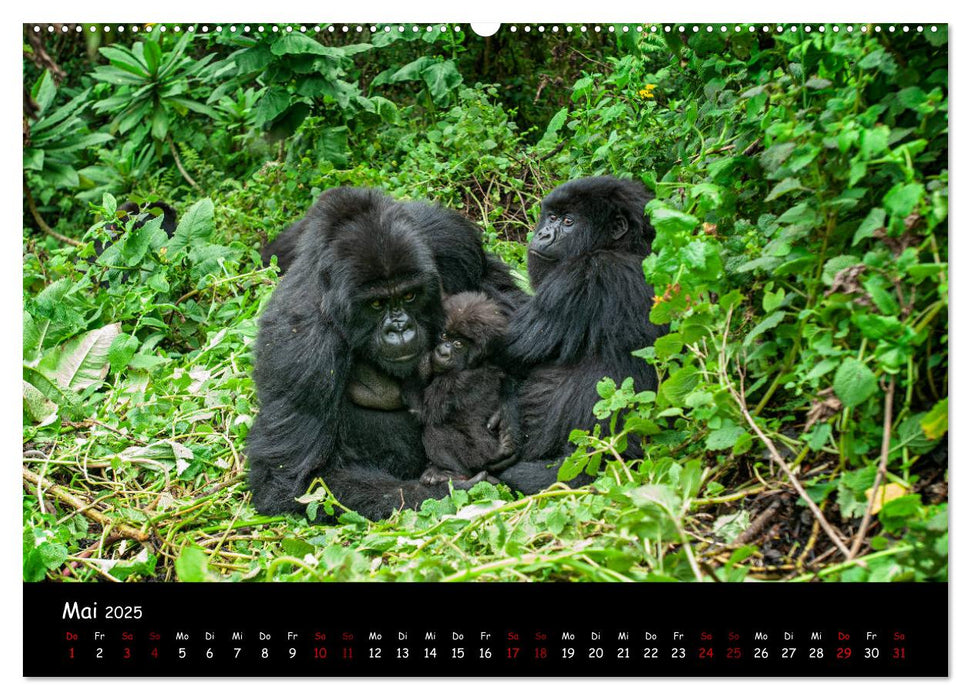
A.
pixel 470 424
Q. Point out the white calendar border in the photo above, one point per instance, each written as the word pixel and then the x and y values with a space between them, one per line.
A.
pixel 567 11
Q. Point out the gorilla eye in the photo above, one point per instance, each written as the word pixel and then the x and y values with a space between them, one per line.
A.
pixel 552 217
pixel 568 220
pixel 377 303
pixel 457 343
pixel 409 297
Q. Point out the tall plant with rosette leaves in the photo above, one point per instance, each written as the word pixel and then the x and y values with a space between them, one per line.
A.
pixel 53 145
pixel 154 87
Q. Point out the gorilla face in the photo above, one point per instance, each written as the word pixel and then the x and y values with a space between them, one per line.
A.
pixel 584 216
pixel 451 353
pixel 399 337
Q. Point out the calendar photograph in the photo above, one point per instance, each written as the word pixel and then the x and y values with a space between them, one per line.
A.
pixel 451 303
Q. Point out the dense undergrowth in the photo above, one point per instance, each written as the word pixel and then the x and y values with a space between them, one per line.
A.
pixel 799 430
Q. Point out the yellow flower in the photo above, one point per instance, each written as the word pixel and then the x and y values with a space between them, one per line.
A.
pixel 648 92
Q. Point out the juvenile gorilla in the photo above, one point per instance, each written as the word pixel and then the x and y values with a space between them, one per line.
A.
pixel 140 216
pixel 590 311
pixel 343 336
pixel 467 426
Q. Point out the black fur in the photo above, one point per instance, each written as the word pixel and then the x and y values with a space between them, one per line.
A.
pixel 467 424
pixel 140 216
pixel 457 251
pixel 361 304
pixel 589 313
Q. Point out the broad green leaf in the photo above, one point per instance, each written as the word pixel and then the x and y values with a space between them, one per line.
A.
pixel 192 565
pixel 724 438
pixel 195 225
pixel 787 185
pixel 679 384
pixel 767 323
pixel 38 407
pixel 82 361
pixel 934 422
pixel 441 78
pixel 901 199
pixel 874 220
pixel 668 345
pixel 854 382
pixel 295 43
pixel 668 221
pixel 556 123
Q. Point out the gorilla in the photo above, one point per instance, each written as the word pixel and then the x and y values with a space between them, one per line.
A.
pixel 469 421
pixel 284 247
pixel 140 216
pixel 590 311
pixel 341 341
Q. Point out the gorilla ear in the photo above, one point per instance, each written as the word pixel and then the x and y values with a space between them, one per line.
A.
pixel 619 227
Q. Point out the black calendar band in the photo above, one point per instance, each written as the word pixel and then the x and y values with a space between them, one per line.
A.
pixel 669 630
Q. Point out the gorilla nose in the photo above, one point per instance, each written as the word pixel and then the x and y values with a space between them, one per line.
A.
pixel 443 352
pixel 400 336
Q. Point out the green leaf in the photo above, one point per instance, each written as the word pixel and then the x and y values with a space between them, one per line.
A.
pixel 82 361
pixel 271 105
pixel 571 468
pixel 836 264
pixel 773 157
pixel 441 78
pixel 773 300
pixel 669 222
pixel 934 423
pixel 854 382
pixel 770 321
pixel 124 59
pixel 556 123
pixel 44 91
pixel 724 438
pixel 876 287
pixel 668 345
pixel 911 435
pixel 192 565
pixel 901 199
pixel 297 44
pixel 676 387
pixel 787 185
pixel 38 407
pixel 874 220
pixel 912 98
pixel 122 350
pixel 196 225
pixel 895 514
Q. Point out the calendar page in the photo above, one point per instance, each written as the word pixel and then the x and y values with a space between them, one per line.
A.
pixel 396 349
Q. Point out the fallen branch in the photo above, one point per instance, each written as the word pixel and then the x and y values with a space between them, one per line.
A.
pixel 759 524
pixel 83 507
pixel 881 469
pixel 770 446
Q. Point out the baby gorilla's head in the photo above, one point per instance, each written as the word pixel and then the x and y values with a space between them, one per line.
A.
pixel 474 328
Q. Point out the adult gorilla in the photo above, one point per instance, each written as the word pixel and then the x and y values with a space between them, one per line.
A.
pixel 341 336
pixel 589 313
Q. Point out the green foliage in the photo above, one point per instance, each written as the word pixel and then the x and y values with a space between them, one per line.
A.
pixel 152 86
pixel 801 263
pixel 58 138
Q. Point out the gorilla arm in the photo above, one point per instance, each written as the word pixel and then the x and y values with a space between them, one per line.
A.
pixel 302 365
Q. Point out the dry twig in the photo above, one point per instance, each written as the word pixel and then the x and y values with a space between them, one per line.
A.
pixel 881 469
pixel 773 451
